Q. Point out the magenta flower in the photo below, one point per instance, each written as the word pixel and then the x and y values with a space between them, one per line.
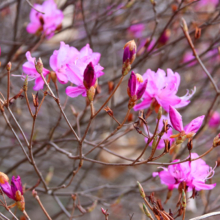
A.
pixel 13 191
pixel 177 123
pixel 136 30
pixel 60 58
pixel 194 174
pixel 30 71
pixel 161 90
pixel 76 69
pixel 214 120
pixel 166 136
pixel 69 64
pixel 48 22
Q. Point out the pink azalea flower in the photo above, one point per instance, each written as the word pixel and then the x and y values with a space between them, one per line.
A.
pixel 177 123
pixel 136 30
pixel 214 120
pixel 75 71
pixel 60 58
pixel 69 64
pixel 30 71
pixel 47 22
pixel 166 136
pixel 13 191
pixel 194 174
pixel 161 89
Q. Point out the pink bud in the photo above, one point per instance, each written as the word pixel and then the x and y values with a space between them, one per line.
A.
pixel 132 85
pixel 141 89
pixel 103 211
pixel 89 76
pixel 175 119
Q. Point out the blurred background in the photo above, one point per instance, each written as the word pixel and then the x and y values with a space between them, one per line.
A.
pixel 107 25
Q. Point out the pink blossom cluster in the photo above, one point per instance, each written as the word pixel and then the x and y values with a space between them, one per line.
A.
pixel 48 22
pixel 69 65
pixel 161 90
pixel 194 174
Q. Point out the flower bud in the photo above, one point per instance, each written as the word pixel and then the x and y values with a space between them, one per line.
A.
pixel 164 37
pixel 39 66
pixel 8 66
pixel 183 200
pixel 3 178
pixel 141 190
pixel 185 27
pixel 25 86
pixel 131 104
pixel 154 144
pixel 131 90
pixel 141 89
pixel 91 93
pixel 159 113
pixel 89 78
pixel 146 211
pixel 130 49
pixel 216 141
pixel 53 76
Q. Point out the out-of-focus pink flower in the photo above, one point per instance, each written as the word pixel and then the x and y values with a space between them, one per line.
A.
pixel 136 30
pixel 69 64
pixel 177 123
pixel 48 22
pixel 214 120
pixel 166 136
pixel 194 174
pixel 188 56
pixel 206 5
pixel 30 71
pixel 161 89
pixel 13 191
pixel 164 37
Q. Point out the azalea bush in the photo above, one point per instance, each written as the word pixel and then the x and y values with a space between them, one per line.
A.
pixel 109 109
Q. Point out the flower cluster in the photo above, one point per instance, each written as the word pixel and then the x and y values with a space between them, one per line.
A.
pixel 68 64
pixel 48 22
pixel 161 91
pixel 13 191
pixel 193 174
